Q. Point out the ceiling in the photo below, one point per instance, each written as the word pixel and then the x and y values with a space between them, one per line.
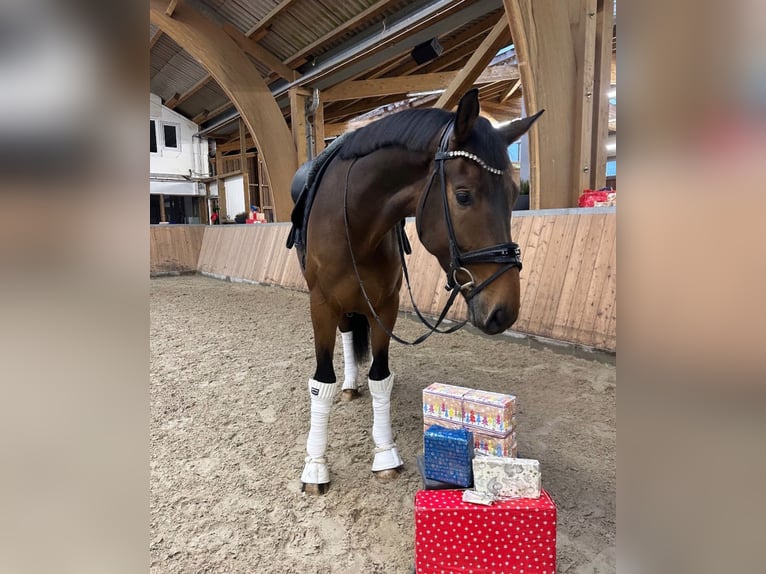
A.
pixel 326 42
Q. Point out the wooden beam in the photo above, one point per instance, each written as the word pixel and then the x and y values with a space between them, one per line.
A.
pixel 243 163
pixel 206 115
pixel 360 107
pixel 468 35
pixel 358 89
pixel 259 52
pixel 498 37
pixel 317 123
pixel 264 22
pixel 193 90
pixel 239 79
pixel 361 17
pixel 154 38
pixel 171 7
pixel 200 117
pixel 510 92
pixel 499 73
pixel 601 83
pixel 173 101
pixel 163 216
pixel 583 22
pixel 502 112
pixel 298 121
pixel 543 41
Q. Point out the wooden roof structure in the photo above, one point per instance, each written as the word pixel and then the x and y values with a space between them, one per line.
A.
pixel 271 62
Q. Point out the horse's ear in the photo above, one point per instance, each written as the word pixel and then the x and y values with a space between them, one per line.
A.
pixel 467 112
pixel 518 128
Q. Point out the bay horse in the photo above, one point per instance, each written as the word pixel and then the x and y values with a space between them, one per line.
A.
pixel 452 172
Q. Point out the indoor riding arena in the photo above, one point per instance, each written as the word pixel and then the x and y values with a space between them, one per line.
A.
pixel 242 94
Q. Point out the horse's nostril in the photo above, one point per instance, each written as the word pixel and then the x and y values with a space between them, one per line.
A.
pixel 497 320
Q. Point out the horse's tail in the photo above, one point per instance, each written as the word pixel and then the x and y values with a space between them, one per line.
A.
pixel 360 328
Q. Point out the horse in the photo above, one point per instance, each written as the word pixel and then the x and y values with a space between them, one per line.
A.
pixel 452 172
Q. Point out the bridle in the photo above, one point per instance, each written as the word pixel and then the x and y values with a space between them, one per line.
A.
pixel 506 254
pixel 502 253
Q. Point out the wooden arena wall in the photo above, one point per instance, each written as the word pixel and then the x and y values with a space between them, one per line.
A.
pixel 568 285
pixel 174 248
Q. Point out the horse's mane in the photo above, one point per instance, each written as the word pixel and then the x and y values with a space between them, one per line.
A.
pixel 415 130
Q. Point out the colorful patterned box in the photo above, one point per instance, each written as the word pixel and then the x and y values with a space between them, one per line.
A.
pixel 509 537
pixel 507 477
pixel 484 442
pixel 448 454
pixel 489 412
pixel 444 402
pixel 495 445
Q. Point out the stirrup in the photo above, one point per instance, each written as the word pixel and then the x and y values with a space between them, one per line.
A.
pixel 386 457
pixel 315 471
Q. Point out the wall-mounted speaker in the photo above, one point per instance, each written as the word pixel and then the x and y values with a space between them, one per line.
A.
pixel 427 51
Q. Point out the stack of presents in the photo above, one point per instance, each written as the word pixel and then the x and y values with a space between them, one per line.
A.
pixel 482 509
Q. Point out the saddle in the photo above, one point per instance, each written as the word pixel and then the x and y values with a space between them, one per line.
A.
pixel 303 191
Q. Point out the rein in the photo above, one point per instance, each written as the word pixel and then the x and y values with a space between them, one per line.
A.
pixel 502 253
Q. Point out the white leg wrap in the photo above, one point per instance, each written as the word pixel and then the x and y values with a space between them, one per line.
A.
pixel 386 454
pixel 322 395
pixel 349 362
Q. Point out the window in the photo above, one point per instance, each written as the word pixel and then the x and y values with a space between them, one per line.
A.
pixel 170 133
pixel 152 137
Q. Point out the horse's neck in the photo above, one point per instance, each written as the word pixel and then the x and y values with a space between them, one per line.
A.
pixel 392 181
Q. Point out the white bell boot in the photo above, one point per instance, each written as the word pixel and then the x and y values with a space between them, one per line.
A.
pixel 386 453
pixel 350 369
pixel 315 470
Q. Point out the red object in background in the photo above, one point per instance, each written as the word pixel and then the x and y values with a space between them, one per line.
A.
pixel 600 198
pixel 509 537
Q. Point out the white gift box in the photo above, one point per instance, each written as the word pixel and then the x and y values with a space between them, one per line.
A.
pixel 505 477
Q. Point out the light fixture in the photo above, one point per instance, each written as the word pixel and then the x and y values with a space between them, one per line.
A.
pixel 424 93
pixel 611 146
pixel 427 51
pixel 612 93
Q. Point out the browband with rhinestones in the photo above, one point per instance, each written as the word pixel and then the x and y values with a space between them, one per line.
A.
pixel 477 159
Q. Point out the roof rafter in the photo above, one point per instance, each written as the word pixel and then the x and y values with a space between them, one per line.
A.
pixel 259 52
pixel 496 39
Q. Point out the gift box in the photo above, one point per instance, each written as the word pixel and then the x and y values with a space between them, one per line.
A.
pixel 429 484
pixel 484 442
pixel 448 454
pixel 507 477
pixel 480 410
pixel 508 537
pixel 489 412
pixel 444 402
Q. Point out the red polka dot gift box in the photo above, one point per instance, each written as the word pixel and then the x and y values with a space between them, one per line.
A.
pixel 515 536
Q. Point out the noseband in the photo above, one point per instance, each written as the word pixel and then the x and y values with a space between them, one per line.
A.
pixel 507 254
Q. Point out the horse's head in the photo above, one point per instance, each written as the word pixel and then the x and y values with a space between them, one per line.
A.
pixel 479 191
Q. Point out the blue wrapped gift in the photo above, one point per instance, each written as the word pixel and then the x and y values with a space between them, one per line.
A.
pixel 448 455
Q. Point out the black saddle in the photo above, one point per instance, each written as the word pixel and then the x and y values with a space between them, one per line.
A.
pixel 303 191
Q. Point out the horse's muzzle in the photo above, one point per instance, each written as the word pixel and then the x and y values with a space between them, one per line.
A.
pixel 497 320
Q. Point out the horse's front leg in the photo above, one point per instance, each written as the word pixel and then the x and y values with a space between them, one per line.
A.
pixel 387 460
pixel 322 390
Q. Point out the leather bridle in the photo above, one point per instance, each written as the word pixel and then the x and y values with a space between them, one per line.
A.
pixel 506 254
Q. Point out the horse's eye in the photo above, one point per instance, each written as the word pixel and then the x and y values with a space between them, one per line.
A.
pixel 463 197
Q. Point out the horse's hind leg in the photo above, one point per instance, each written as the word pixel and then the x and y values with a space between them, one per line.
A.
pixel 350 370
pixel 387 460
pixel 322 390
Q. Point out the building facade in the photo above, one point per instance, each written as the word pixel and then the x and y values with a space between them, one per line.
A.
pixel 178 167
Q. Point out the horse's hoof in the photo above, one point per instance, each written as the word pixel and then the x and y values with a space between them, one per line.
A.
pixel 348 395
pixel 387 475
pixel 315 489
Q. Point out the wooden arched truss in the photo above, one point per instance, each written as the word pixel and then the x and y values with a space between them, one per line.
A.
pixel 228 65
